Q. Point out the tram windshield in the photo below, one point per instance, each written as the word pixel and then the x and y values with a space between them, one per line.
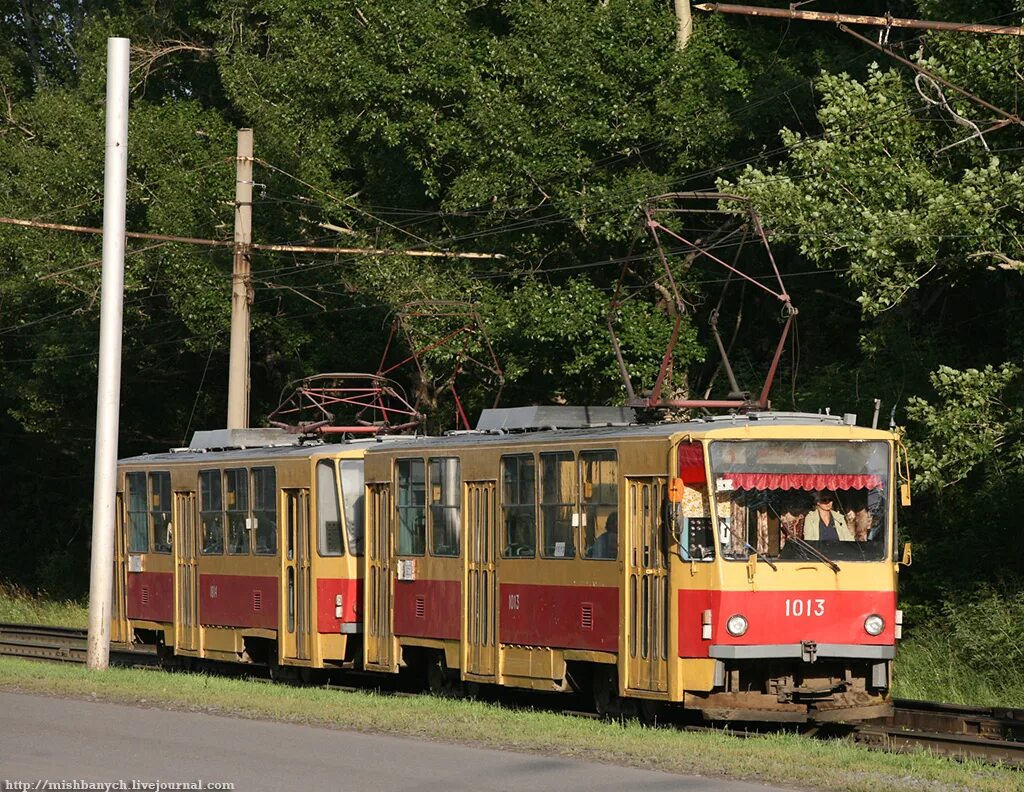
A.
pixel 784 500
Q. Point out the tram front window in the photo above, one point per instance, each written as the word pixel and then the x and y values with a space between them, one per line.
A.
pixel 784 499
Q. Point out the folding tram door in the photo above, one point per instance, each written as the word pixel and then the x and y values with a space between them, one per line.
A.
pixel 186 574
pixel 481 586
pixel 647 588
pixel 295 576
pixel 118 612
pixel 380 650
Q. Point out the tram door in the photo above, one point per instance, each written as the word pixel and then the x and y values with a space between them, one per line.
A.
pixel 186 573
pixel 481 586
pixel 381 654
pixel 647 604
pixel 118 617
pixel 295 576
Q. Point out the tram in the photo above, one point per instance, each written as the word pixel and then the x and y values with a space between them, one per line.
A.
pixel 243 547
pixel 743 567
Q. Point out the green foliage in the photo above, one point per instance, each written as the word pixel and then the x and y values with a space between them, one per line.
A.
pixel 871 196
pixel 557 336
pixel 976 421
pixel 529 129
pixel 492 105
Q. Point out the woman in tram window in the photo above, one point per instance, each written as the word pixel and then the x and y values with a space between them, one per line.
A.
pixel 824 523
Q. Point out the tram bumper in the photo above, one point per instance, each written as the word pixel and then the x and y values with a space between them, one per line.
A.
pixel 803 682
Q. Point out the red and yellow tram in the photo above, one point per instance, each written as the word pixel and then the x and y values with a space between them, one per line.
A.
pixel 742 566
pixel 244 547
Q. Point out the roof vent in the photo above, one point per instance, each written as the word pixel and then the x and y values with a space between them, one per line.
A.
pixel 525 419
pixel 220 439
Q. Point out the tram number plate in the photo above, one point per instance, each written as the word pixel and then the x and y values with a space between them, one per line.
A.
pixel 805 607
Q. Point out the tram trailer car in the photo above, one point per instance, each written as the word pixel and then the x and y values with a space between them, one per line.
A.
pixel 243 547
pixel 658 564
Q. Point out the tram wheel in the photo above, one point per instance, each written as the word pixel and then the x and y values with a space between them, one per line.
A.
pixel 605 685
pixel 442 681
pixel 611 706
pixel 166 657
pixel 648 711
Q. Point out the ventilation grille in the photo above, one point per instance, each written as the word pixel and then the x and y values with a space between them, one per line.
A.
pixel 257 600
pixel 421 606
pixel 587 616
pixel 145 595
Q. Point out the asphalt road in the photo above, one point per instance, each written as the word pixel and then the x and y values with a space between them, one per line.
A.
pixel 45 741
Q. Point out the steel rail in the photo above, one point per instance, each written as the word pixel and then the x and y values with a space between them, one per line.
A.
pixel 996 723
pixel 992 734
pixel 62 644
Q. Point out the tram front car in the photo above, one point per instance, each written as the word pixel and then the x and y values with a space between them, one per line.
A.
pixel 785 545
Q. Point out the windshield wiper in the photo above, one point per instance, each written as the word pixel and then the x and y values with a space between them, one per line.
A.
pixel 761 556
pixel 747 546
pixel 812 550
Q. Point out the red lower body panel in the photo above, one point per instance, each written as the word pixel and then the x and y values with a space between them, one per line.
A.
pixel 150 596
pixel 238 601
pixel 428 608
pixel 566 617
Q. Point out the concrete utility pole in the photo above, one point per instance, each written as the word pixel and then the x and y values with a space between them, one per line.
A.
pixel 108 390
pixel 684 18
pixel 241 287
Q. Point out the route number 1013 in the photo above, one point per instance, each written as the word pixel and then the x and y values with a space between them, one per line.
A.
pixel 805 607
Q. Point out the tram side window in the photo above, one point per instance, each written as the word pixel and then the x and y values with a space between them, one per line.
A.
pixel 693 526
pixel 558 503
pixel 236 497
pixel 264 510
pixel 328 510
pixel 160 510
pixel 354 498
pixel 445 511
pixel 519 506
pixel 412 512
pixel 211 515
pixel 138 514
pixel 600 500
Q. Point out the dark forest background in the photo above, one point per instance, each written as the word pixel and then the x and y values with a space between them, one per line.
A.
pixel 534 129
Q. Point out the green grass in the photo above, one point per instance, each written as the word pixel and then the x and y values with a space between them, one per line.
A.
pixel 970 651
pixel 933 668
pixel 777 758
pixel 20 607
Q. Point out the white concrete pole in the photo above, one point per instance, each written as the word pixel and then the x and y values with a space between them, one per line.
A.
pixel 241 287
pixel 108 390
pixel 684 23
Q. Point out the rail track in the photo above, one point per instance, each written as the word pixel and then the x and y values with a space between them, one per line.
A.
pixel 992 734
pixel 63 644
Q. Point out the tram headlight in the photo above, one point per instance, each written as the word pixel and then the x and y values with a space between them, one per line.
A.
pixel 874 624
pixel 737 625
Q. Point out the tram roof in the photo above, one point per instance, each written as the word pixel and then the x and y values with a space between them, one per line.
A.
pixel 289 447
pixel 627 432
pixel 293 450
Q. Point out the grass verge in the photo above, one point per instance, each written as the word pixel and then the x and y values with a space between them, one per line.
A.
pixel 971 651
pixel 933 669
pixel 17 605
pixel 777 758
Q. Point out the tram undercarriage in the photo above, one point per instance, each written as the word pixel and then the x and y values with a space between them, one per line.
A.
pixel 791 691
